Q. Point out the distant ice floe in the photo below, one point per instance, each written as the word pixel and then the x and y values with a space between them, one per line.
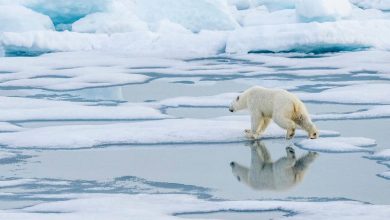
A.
pixel 205 27
pixel 380 111
pixel 373 93
pixel 168 206
pixel 65 72
pixel 323 10
pixel 310 37
pixel 377 4
pixel 380 155
pixel 27 109
pixel 176 131
pixel 338 144
pixel 385 175
pixel 383 157
pixel 6 156
pixel 17 18
pixel 8 127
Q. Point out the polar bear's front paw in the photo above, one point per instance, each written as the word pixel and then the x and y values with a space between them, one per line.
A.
pixel 248 133
pixel 290 134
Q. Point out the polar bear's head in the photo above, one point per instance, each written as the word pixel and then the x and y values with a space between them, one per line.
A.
pixel 238 103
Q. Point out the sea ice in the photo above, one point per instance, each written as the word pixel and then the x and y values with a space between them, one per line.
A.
pixel 372 93
pixel 4 155
pixel 15 18
pixel 311 37
pixel 380 155
pixel 338 144
pixel 28 109
pixel 176 131
pixel 8 127
pixel 380 111
pixel 168 206
pixel 378 4
pixel 323 10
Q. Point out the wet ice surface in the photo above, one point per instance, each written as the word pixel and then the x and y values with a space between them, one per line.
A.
pixel 168 130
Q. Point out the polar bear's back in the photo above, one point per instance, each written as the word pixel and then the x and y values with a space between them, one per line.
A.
pixel 275 100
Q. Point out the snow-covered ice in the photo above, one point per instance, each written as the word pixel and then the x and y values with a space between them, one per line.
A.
pixel 168 206
pixel 338 144
pixel 7 155
pixel 323 10
pixel 373 93
pixel 18 18
pixel 283 25
pixel 27 109
pixel 380 155
pixel 176 131
pixel 8 127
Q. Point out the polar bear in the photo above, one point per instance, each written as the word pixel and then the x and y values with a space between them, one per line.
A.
pixel 283 107
pixel 264 174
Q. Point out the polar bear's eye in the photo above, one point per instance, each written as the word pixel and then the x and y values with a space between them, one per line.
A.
pixel 238 98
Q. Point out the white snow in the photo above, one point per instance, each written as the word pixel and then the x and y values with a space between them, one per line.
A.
pixel 380 155
pixel 7 155
pixel 176 131
pixel 144 43
pixel 385 175
pixel 338 144
pixel 15 182
pixel 8 127
pixel 26 109
pixel 373 93
pixel 277 25
pixel 378 4
pixel 165 206
pixel 194 15
pixel 66 71
pixel 306 37
pixel 323 10
pixel 18 18
pixel 380 111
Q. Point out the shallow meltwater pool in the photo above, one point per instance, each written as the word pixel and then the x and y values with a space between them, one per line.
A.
pixel 114 158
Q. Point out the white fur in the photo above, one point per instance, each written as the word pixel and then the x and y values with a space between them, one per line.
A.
pixel 264 174
pixel 280 105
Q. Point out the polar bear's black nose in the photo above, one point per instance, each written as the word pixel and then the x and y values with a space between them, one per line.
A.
pixel 231 110
pixel 232 164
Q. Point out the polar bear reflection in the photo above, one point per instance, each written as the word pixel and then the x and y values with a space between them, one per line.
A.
pixel 264 174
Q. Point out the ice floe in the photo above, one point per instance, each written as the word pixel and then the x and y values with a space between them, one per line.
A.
pixel 385 175
pixel 380 155
pixel 229 26
pixel 323 10
pixel 378 4
pixel 380 111
pixel 168 206
pixel 68 74
pixel 373 93
pixel 311 37
pixel 18 18
pixel 28 109
pixel 176 131
pixel 4 155
pixel 338 144
pixel 8 127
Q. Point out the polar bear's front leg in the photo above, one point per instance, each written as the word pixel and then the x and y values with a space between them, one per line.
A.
pixel 255 124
